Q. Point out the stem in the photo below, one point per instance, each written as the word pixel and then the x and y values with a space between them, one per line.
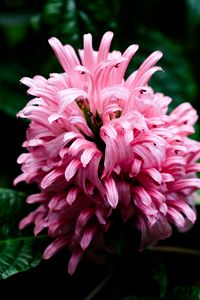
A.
pixel 97 289
pixel 171 249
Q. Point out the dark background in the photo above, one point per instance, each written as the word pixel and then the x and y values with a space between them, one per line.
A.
pixel 171 26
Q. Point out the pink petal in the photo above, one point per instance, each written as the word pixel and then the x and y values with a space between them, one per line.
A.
pixel 111 192
pixel 69 95
pixel 154 174
pixel 55 246
pixel 50 178
pixel 87 155
pixel 87 237
pixel 175 217
pixel 184 208
pixel 36 198
pixel 71 196
pixel 82 220
pixel 182 184
pixel 136 166
pixel 89 60
pixel 74 261
pixel 72 168
pixel 64 58
pixel 105 46
pixel 143 195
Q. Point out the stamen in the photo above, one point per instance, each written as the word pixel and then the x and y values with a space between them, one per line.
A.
pixel 143 91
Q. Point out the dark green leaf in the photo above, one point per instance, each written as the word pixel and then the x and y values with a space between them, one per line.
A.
pixel 159 276
pixel 139 298
pixel 19 251
pixel 185 293
pixel 194 9
pixel 12 100
pixel 197 197
pixel 19 254
pixel 196 135
pixel 70 19
pixel 11 103
pixel 15 27
pixel 11 203
pixel 102 15
pixel 61 18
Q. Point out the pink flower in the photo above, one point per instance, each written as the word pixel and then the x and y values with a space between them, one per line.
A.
pixel 98 142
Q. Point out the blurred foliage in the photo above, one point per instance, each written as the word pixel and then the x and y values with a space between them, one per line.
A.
pixel 25 26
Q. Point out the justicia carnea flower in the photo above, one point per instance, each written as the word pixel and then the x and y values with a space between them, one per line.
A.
pixel 98 142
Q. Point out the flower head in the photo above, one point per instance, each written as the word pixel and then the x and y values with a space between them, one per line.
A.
pixel 98 142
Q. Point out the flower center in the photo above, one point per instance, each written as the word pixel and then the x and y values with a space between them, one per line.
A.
pixel 94 122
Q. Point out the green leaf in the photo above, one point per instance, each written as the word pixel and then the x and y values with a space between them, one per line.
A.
pixel 196 135
pixel 61 19
pixel 12 99
pixel 15 27
pixel 183 293
pixel 19 250
pixel 100 14
pixel 11 203
pixel 194 9
pixel 19 254
pixel 10 103
pixel 70 19
pixel 139 298
pixel 159 276
pixel 197 197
